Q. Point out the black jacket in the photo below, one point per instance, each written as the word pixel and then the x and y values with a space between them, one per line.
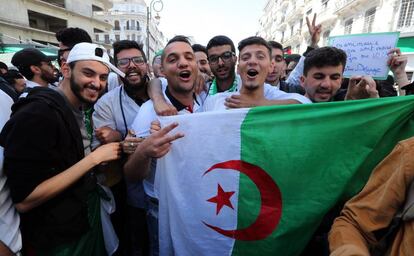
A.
pixel 5 87
pixel 42 139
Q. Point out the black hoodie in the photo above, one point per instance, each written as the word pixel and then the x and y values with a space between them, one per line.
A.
pixel 42 139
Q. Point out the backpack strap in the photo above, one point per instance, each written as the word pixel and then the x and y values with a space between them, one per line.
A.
pixel 407 213
pixel 386 236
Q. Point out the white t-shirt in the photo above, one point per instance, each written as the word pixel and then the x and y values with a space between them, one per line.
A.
pixel 9 219
pixel 142 126
pixel 216 102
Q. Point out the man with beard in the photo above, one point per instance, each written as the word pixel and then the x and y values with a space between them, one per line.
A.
pixel 36 67
pixel 50 168
pixel 114 113
pixel 180 69
pixel 222 59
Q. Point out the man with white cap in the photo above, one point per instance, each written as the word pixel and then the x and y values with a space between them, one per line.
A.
pixel 48 166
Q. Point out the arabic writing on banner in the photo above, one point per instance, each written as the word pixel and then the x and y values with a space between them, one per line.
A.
pixel 367 53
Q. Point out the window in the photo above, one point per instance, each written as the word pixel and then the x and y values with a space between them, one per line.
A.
pixel 291 30
pixel 117 38
pixel 127 25
pixel 348 26
pixel 97 38
pixel 138 28
pixel 96 8
pixel 369 20
pixel 406 14
pixel 133 37
pixel 45 22
pixel 116 25
pixel 106 39
pixel 283 36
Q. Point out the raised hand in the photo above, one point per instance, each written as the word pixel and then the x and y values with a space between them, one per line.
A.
pixel 396 61
pixel 314 31
pixel 361 87
pixel 159 143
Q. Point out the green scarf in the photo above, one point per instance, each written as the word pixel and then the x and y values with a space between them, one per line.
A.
pixel 213 88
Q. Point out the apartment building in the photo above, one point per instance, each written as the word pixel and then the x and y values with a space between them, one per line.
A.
pixel 129 19
pixel 37 21
pixel 285 21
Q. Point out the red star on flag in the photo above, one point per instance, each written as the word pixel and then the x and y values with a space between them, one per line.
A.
pixel 221 199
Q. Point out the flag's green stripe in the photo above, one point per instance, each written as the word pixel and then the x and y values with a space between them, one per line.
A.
pixel 317 154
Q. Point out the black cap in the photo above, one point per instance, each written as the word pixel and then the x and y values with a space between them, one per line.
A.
pixel 28 57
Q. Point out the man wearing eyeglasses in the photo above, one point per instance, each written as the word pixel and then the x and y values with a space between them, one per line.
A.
pixel 36 67
pixel 222 59
pixel 114 113
pixel 67 38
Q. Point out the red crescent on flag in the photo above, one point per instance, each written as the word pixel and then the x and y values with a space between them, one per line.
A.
pixel 271 207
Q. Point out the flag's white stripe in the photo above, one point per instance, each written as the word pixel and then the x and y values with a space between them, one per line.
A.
pixel 180 190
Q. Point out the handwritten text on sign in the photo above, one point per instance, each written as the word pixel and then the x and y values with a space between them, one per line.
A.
pixel 367 53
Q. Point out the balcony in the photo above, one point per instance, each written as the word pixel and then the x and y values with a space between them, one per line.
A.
pixel 294 39
pixel 284 4
pixel 59 3
pixel 282 27
pixel 409 29
pixel 133 28
pixel 295 14
pixel 327 19
pixel 45 22
pixel 344 6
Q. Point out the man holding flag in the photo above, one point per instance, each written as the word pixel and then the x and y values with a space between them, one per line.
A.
pixel 180 69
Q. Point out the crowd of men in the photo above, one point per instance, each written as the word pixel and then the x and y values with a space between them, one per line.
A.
pixel 80 143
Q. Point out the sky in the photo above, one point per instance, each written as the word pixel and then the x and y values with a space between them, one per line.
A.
pixel 203 19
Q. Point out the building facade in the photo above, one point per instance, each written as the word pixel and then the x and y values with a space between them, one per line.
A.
pixel 129 20
pixel 285 21
pixel 37 21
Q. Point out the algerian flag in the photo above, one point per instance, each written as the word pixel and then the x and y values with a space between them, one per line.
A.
pixel 259 181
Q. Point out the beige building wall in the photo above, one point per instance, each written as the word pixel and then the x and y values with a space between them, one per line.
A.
pixel 16 23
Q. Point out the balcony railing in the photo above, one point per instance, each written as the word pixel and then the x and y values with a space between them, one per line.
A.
pixel 407 28
pixel 339 4
pixel 135 28
pixel 59 3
